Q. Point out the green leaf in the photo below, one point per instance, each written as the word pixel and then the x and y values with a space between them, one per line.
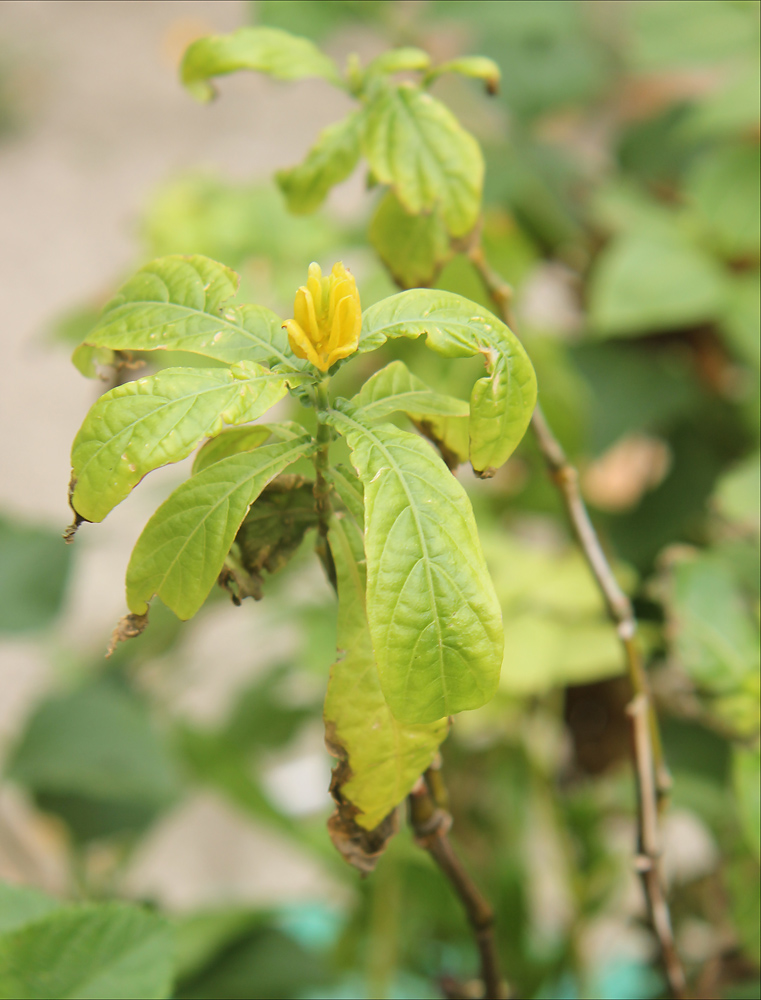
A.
pixel 413 247
pixel 500 405
pixel 264 50
pixel 350 493
pixel 434 618
pixel 177 303
pixel 323 19
pixel 738 494
pixel 231 442
pixel 21 905
pixel 476 67
pixel 330 161
pixel 34 571
pixel 731 110
pixel 153 421
pixel 415 144
pixel 98 952
pixel 557 630
pixel 399 60
pixel 650 281
pixel 384 757
pixel 723 186
pixel 716 637
pixel 394 388
pixel 93 757
pixel 671 34
pixel 183 547
pixel 742 317
pixel 746 776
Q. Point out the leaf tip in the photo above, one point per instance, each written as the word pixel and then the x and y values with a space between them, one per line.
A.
pixel 487 473
pixel 128 627
pixel 70 532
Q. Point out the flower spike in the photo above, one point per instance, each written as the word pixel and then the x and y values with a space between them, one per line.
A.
pixel 327 317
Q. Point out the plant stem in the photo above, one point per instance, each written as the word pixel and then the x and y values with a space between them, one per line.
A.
pixel 653 778
pixel 322 485
pixel 431 822
pixel 648 862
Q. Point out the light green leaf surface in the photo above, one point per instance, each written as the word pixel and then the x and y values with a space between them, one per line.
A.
pixel 715 635
pixel 413 247
pixel 96 952
pixel 746 778
pixel 434 619
pixel 395 389
pixel 21 905
pixel 264 50
pixel 330 161
pixel 476 67
pixel 738 494
pixel 384 757
pixel 153 421
pixel 556 627
pixel 724 188
pixel 230 442
pixel 732 109
pixel 182 549
pixel 350 492
pixel 397 60
pixel 500 405
pixel 416 145
pixel 653 280
pixel 741 319
pixel 177 303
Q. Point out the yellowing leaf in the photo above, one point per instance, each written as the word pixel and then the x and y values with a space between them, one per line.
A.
pixel 264 50
pixel 381 757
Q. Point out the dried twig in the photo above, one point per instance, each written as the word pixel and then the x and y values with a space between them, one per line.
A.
pixel 431 822
pixel 648 862
pixel 653 778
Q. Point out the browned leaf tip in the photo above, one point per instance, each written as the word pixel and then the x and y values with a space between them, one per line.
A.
pixel 452 459
pixel 487 473
pixel 68 535
pixel 70 532
pixel 127 628
pixel 359 847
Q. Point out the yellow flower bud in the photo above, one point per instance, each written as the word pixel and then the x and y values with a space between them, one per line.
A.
pixel 327 317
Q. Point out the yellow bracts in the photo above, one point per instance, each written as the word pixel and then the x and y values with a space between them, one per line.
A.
pixel 327 317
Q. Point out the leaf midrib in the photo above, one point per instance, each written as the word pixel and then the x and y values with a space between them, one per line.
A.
pixel 191 399
pixel 222 320
pixel 424 548
pixel 448 178
pixel 398 398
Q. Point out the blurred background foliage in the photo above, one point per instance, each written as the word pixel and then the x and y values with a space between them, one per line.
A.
pixel 622 203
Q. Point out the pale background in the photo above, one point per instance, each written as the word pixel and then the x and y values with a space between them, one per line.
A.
pixel 104 121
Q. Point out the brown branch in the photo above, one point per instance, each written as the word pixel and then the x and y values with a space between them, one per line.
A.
pixel 431 822
pixel 648 862
pixel 653 778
